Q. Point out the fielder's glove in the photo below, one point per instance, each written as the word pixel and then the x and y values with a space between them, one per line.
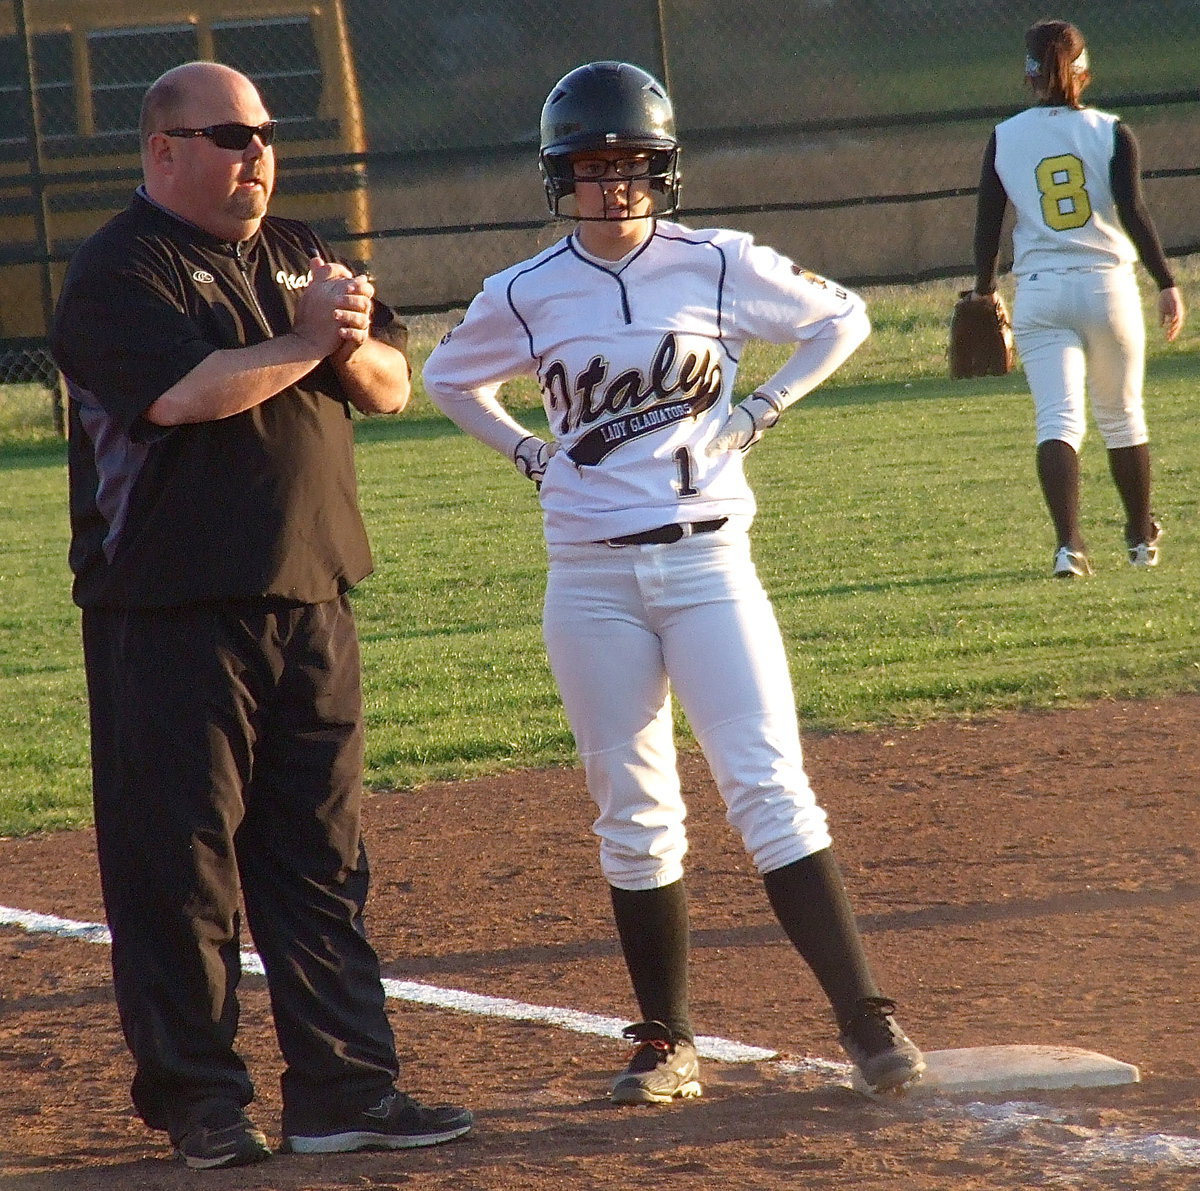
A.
pixel 981 340
pixel 746 423
pixel 532 455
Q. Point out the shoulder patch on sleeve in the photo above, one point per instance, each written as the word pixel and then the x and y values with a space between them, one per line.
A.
pixel 817 280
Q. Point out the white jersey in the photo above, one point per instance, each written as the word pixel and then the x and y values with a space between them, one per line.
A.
pixel 636 362
pixel 1055 164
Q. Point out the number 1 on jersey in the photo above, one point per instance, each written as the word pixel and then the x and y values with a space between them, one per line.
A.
pixel 684 485
pixel 1062 185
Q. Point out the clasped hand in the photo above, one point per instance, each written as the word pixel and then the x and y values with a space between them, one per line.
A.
pixel 334 310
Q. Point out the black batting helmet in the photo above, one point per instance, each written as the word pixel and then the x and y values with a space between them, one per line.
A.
pixel 608 105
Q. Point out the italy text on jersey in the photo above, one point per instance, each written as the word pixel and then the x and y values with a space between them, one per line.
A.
pixel 678 385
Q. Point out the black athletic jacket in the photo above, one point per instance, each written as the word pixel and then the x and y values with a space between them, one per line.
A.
pixel 262 503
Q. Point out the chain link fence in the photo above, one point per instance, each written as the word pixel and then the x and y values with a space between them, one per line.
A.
pixel 847 133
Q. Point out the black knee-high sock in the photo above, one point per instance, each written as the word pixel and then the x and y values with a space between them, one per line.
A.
pixel 1130 467
pixel 1058 473
pixel 810 901
pixel 653 928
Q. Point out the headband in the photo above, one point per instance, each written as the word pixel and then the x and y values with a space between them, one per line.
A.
pixel 1033 67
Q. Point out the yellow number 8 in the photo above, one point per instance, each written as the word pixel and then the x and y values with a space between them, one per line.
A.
pixel 1065 202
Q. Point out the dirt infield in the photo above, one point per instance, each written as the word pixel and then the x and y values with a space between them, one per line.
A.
pixel 1029 879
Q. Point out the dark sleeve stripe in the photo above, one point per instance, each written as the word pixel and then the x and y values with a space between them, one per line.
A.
pixel 722 270
pixel 119 461
pixel 1126 180
pixel 512 305
pixel 990 205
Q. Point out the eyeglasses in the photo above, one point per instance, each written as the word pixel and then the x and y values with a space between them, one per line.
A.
pixel 230 136
pixel 594 169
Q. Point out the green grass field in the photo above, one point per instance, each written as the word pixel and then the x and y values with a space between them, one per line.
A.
pixel 900 532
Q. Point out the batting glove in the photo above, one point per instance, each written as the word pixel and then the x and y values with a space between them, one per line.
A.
pixel 746 423
pixel 532 455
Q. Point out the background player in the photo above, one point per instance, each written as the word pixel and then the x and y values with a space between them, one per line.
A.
pixel 1072 175
pixel 633 328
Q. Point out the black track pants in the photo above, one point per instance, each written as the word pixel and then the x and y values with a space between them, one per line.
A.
pixel 227 756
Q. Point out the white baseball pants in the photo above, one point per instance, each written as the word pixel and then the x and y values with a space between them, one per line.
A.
pixel 1082 330
pixel 626 625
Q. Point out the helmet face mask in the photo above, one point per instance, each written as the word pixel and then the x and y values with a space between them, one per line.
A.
pixel 604 106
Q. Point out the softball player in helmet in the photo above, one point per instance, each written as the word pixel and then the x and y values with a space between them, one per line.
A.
pixel 633 327
pixel 1071 173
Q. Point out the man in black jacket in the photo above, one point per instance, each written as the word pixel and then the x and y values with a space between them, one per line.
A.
pixel 212 353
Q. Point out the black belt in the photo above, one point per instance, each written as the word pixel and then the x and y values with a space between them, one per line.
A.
pixel 666 533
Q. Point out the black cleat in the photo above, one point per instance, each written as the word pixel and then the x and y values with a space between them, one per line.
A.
pixel 886 1058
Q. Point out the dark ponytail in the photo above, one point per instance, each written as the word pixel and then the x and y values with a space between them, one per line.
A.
pixel 1053 65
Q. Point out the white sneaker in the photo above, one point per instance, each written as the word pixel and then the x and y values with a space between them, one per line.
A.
pixel 1145 554
pixel 1068 563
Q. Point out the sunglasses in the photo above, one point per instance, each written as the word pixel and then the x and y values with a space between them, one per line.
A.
pixel 230 136
pixel 593 169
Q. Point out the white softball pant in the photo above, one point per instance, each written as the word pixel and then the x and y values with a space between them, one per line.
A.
pixel 624 626
pixel 1077 328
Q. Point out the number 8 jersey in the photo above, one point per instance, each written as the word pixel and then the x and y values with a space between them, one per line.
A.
pixel 636 361
pixel 1055 164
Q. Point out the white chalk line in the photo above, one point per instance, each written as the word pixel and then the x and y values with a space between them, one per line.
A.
pixel 1001 1122
pixel 707 1046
